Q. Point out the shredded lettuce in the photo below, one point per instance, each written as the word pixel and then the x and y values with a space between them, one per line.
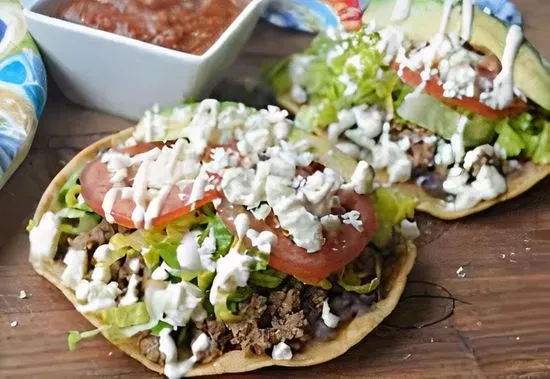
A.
pixel 161 325
pixel 525 134
pixel 268 278
pixel 223 236
pixel 227 306
pixel 205 279
pixel 122 317
pixel 391 208
pixel 75 337
pixel 328 69
pixel 352 277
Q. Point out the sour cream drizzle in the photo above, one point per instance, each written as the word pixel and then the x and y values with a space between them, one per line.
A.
pixel 467 18
pixel 502 94
pixel 401 10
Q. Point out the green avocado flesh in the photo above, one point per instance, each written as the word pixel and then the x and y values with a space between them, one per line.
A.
pixel 443 121
pixel 530 74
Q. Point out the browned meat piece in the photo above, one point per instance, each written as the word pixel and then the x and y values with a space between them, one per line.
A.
pixel 98 235
pixel 217 331
pixel 249 338
pixel 290 327
pixel 149 347
pixel 284 302
pixel 422 154
pixel 484 159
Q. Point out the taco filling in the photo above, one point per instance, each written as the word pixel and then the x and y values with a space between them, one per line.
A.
pixel 456 106
pixel 207 232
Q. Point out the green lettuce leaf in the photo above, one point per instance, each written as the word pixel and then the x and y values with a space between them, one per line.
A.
pixel 352 277
pixel 391 208
pixel 525 134
pixel 226 309
pixel 268 278
pixel 325 70
pixel 125 316
pixel 75 337
pixel 161 325
pixel 509 140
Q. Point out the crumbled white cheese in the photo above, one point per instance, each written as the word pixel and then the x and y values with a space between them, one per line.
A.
pixel 444 155
pixel 241 225
pixel 400 170
pixel 134 264
pixel 101 273
pixel 264 241
pixel 233 270
pixel 260 212
pixel 474 155
pixel 362 178
pixel 82 290
pixel 353 218
pixel 489 183
pixel 304 227
pixel 346 119
pixel 43 239
pixel 159 274
pixel 369 119
pixel 180 302
pixel 100 296
pixel 76 262
pixel 22 294
pixel 331 223
pixel 281 351
pixel 298 94
pixel 330 319
pixel 349 148
pixel 409 229
pixel 456 180
pixel 13 324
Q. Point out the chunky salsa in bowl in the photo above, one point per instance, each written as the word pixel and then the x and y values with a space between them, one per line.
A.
pixel 191 26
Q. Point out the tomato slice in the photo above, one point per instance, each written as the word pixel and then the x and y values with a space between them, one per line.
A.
pixel 338 250
pixel 95 183
pixel 434 89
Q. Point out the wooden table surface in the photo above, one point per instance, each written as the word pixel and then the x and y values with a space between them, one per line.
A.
pixel 498 325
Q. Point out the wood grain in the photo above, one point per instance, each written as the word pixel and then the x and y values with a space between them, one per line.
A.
pixel 500 325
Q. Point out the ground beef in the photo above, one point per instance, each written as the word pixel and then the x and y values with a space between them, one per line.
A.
pixel 121 272
pixel 149 346
pixel 98 235
pixel 422 154
pixel 265 321
pixel 483 160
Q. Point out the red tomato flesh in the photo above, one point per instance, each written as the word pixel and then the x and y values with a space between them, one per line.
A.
pixel 95 183
pixel 339 249
pixel 473 104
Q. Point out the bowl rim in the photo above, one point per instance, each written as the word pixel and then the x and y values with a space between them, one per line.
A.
pixel 248 11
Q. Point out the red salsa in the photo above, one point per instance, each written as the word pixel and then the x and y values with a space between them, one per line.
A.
pixel 191 26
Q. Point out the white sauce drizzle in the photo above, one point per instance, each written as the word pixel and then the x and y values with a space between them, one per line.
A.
pixel 467 18
pixel 502 93
pixel 401 10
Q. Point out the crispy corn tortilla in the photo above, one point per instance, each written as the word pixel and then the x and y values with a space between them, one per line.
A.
pixel 395 278
pixel 517 182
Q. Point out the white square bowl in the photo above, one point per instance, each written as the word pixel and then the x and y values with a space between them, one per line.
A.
pixel 122 76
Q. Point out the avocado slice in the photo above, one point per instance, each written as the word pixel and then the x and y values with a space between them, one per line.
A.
pixel 530 74
pixel 427 112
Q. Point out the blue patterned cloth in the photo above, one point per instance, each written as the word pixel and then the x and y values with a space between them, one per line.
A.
pixel 502 9
pixel 316 15
pixel 23 88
